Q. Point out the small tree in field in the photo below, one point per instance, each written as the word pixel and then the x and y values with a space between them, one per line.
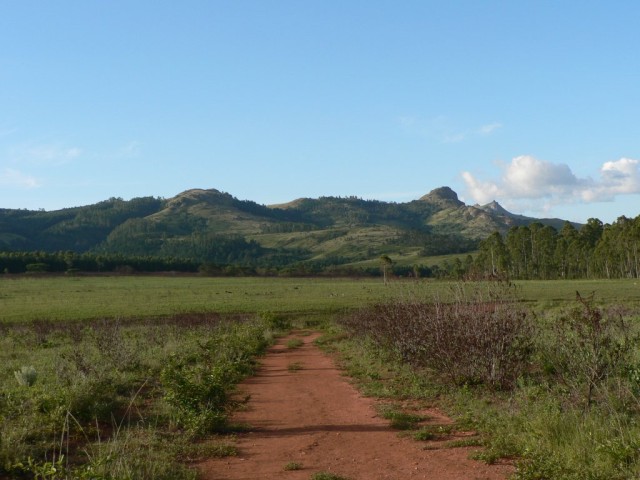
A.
pixel 386 263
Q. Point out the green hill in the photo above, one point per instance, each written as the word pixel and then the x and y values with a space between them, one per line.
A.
pixel 215 227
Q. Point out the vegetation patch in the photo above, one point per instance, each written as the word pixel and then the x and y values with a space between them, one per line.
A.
pixel 432 432
pixel 295 367
pixel 292 466
pixel 558 392
pixel 294 343
pixel 399 419
pixel 122 398
pixel 327 476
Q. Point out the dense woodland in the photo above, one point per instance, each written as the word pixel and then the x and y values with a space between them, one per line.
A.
pixel 536 251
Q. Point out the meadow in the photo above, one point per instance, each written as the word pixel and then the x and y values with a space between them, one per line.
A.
pixel 24 298
pixel 133 376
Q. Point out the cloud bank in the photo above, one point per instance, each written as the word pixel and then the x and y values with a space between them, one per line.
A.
pixel 527 178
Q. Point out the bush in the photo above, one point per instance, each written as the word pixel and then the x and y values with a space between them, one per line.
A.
pixel 198 384
pixel 589 346
pixel 482 337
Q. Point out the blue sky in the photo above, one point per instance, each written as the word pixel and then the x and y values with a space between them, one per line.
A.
pixel 532 103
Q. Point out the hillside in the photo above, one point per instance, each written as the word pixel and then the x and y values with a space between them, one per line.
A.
pixel 213 226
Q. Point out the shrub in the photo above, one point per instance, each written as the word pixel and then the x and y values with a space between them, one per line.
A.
pixel 198 384
pixel 198 394
pixel 482 337
pixel 590 345
pixel 276 322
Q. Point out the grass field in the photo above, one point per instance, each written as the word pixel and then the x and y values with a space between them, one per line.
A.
pixel 81 352
pixel 78 298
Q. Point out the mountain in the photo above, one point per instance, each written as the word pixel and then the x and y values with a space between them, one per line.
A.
pixel 213 226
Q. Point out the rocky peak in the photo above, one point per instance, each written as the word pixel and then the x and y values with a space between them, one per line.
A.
pixel 496 208
pixel 442 195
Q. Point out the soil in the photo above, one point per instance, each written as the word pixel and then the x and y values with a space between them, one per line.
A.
pixel 313 416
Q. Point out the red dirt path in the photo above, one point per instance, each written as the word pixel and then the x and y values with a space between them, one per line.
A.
pixel 315 417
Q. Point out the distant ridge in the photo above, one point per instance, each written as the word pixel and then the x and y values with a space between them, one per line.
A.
pixel 211 225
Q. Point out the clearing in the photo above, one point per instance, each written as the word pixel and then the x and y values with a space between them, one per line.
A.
pixel 304 414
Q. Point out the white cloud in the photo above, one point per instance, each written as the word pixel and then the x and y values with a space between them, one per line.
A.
pixel 46 154
pixel 130 150
pixel 543 184
pixel 481 192
pixel 489 128
pixel 622 176
pixel 454 137
pixel 443 129
pixel 14 178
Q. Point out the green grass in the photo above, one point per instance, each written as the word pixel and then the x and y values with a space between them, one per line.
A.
pixel 432 432
pixel 81 298
pixel 398 419
pixel 327 476
pixel 552 293
pixel 294 343
pixel 292 466
pixel 131 399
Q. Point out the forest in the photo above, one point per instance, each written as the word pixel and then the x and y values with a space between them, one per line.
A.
pixel 536 251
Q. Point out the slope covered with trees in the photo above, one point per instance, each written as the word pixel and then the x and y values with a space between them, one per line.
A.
pixel 217 231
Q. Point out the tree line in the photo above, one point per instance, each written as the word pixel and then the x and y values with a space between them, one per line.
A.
pixel 537 251
pixel 72 262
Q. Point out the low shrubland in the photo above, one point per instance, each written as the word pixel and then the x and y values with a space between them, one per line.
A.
pixel 120 398
pixel 558 394
pixel 483 336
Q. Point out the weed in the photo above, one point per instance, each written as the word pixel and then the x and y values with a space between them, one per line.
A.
pixel 327 476
pixel 432 432
pixel 294 367
pixel 295 343
pixel 292 466
pixel 400 420
pixel 209 449
pixel 26 376
pixel 464 442
pixel 275 321
pixel 424 435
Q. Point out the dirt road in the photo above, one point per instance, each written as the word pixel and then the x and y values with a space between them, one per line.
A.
pixel 303 410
